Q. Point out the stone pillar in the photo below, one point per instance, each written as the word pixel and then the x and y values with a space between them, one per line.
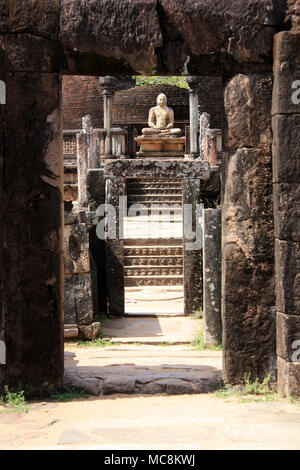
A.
pixel 193 286
pixel 83 142
pixel 114 247
pixel 204 125
pixel 286 196
pixel 248 294
pixel 194 116
pixel 210 146
pixel 212 277
pixel 2 274
pixel 119 141
pixel 32 224
pixel 108 86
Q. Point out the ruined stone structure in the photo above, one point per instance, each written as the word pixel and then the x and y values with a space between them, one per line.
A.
pixel 260 169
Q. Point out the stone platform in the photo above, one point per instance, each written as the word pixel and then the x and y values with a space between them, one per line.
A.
pixel 148 330
pixel 160 147
pixel 143 369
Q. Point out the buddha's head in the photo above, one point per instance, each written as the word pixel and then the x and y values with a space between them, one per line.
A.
pixel 161 100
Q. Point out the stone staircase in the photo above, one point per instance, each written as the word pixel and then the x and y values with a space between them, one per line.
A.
pixel 152 261
pixel 158 192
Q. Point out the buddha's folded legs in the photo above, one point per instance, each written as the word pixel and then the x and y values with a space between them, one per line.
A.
pixel 151 131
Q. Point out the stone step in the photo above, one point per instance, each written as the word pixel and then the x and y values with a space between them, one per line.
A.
pixel 159 206
pixel 155 190
pixel 153 270
pixel 154 181
pixel 144 260
pixel 157 198
pixel 145 251
pixel 131 281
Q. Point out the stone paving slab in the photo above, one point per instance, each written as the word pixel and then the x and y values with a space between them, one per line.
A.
pixel 152 330
pixel 132 369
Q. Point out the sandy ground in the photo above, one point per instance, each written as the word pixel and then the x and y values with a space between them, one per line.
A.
pixel 153 422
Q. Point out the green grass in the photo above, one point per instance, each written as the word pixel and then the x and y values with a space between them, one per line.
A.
pixel 249 391
pixel 155 80
pixel 63 394
pixel 13 401
pixel 97 343
pixel 198 342
pixel 198 314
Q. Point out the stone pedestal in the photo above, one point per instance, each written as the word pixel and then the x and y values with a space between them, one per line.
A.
pixel 160 147
pixel 212 277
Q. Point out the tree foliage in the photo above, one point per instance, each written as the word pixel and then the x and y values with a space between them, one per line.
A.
pixel 156 80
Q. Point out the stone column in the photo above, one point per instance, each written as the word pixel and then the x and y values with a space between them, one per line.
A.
pixel 83 142
pixel 108 86
pixel 193 286
pixel 2 274
pixel 212 277
pixel 32 224
pixel 210 146
pixel 194 115
pixel 204 125
pixel 286 196
pixel 248 294
pixel 114 247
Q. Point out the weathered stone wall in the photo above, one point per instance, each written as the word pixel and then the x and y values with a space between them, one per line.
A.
pixel 248 303
pixel 286 193
pixel 126 38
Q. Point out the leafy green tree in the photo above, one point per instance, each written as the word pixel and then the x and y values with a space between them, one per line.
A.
pixel 156 80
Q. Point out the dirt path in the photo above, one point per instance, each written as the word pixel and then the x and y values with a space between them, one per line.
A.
pixel 153 422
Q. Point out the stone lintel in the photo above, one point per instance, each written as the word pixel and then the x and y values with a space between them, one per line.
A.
pixel 135 168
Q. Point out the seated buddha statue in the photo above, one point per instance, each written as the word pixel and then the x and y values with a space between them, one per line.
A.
pixel 161 119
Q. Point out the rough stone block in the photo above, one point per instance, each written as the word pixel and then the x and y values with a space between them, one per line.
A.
pixel 70 331
pixel 287 332
pixel 127 31
pixel 248 294
pixel 17 51
pixel 287 211
pixel 78 299
pixel 212 277
pixel 32 228
pixel 193 253
pixel 38 17
pixel 288 378
pixel 287 263
pixel 286 72
pixel 95 188
pixel 245 26
pixel 76 249
pixel 247 102
pixel 87 332
pixel 286 148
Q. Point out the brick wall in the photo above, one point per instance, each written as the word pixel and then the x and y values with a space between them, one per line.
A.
pixel 80 96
